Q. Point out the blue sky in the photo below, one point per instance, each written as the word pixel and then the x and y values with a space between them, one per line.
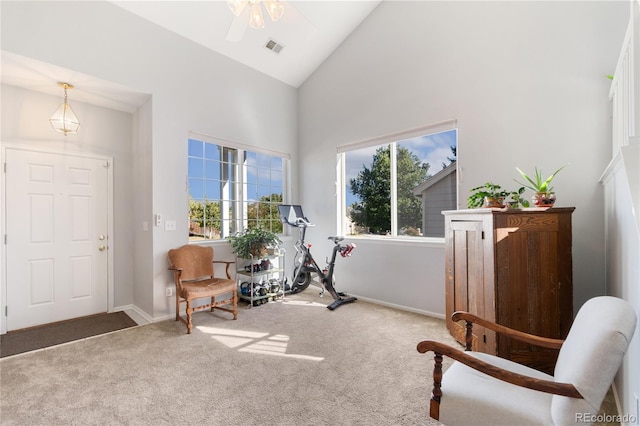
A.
pixel 264 172
pixel 433 149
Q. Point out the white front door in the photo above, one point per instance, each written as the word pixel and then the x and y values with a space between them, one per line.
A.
pixel 56 237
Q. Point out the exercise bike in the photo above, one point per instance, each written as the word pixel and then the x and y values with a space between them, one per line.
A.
pixel 304 264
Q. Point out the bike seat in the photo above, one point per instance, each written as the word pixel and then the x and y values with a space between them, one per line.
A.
pixel 336 239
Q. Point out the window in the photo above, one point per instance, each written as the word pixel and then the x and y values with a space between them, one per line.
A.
pixel 232 188
pixel 400 186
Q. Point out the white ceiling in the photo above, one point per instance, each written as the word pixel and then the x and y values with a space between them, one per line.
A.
pixel 42 77
pixel 309 31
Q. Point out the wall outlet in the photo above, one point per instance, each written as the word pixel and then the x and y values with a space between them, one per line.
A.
pixel 169 291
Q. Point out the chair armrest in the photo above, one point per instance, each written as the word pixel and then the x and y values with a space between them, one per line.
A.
pixel 565 389
pixel 226 270
pixel 532 339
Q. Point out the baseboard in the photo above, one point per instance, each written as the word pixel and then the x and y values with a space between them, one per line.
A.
pixel 141 317
pixel 400 307
pixel 136 314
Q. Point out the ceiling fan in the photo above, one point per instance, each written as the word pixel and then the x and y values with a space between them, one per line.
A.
pixel 248 13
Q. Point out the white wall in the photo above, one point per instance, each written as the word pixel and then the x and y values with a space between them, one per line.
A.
pixel 623 268
pixel 524 79
pixel 526 82
pixel 192 88
pixel 143 287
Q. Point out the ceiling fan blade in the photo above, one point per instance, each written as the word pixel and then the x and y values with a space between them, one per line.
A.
pixel 237 28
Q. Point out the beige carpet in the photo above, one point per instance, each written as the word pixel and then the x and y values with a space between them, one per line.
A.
pixel 284 363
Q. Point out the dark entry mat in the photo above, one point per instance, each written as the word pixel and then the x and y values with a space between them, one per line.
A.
pixel 29 339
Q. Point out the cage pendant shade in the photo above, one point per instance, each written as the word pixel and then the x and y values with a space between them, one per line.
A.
pixel 64 119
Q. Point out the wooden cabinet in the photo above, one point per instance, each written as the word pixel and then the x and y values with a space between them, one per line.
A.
pixel 512 267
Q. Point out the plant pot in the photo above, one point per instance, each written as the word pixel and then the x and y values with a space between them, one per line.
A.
pixel 543 199
pixel 494 202
pixel 258 251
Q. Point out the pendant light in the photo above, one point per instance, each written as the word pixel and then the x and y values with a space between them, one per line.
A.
pixel 64 120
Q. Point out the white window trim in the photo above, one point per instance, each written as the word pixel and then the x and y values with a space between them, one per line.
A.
pixel 391 138
pixel 241 189
pixel 442 126
pixel 238 145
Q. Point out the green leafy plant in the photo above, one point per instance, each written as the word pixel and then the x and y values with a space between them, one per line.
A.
pixel 538 183
pixel 515 199
pixel 253 242
pixel 493 195
pixel 487 195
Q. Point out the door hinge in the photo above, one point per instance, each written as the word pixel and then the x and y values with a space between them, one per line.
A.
pixel 5 239
pixel 6 311
pixel 5 167
pixel 484 338
pixel 482 235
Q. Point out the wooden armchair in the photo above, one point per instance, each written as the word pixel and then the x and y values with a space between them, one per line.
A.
pixel 192 267
pixel 479 388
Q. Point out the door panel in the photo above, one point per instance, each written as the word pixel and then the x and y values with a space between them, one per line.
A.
pixel 465 276
pixel 57 210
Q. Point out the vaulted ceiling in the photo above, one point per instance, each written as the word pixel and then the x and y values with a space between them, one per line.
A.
pixel 307 33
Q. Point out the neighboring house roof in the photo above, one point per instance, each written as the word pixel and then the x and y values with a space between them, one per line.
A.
pixel 418 190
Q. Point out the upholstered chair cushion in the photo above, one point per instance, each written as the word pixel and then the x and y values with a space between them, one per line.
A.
pixel 472 397
pixel 591 355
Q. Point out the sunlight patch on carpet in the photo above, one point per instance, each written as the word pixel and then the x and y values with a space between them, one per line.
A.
pixel 255 342
pixel 238 333
pixel 303 303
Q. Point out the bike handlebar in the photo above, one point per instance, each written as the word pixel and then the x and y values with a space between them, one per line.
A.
pixel 301 221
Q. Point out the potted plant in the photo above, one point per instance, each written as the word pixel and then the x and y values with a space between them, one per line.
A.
pixel 253 242
pixel 487 195
pixel 515 199
pixel 543 191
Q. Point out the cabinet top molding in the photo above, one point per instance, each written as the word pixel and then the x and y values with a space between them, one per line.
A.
pixel 511 211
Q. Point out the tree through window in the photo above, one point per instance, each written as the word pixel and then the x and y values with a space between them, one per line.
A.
pixel 389 188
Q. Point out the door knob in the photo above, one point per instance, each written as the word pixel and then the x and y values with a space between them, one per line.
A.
pixel 101 237
pixel 102 248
